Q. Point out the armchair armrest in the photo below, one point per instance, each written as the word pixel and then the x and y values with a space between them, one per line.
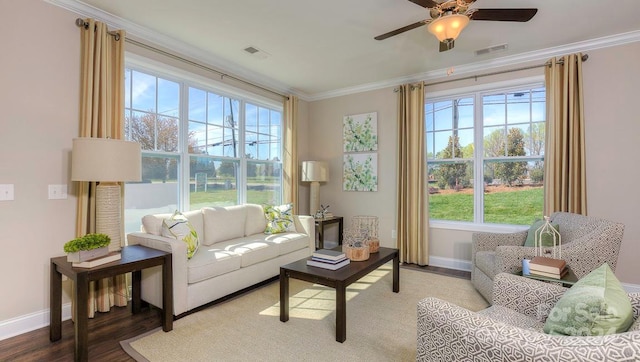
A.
pixel 152 279
pixel 486 241
pixel 447 332
pixel 508 291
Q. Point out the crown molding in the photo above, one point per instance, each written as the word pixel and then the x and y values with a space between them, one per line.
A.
pixel 541 55
pixel 178 47
pixel 216 62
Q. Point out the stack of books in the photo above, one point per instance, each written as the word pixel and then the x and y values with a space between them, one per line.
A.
pixel 112 256
pixel 548 267
pixel 328 259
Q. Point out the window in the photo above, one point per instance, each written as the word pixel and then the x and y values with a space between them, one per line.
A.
pixel 485 154
pixel 200 146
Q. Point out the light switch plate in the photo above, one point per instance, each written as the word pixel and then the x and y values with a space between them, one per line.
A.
pixel 6 192
pixel 57 192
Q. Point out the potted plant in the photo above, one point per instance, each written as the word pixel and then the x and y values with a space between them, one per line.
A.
pixel 87 247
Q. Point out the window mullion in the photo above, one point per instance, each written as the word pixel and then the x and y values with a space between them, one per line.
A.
pixel 478 164
pixel 242 168
pixel 183 143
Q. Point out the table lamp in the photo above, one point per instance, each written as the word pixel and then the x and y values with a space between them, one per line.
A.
pixel 106 161
pixel 314 172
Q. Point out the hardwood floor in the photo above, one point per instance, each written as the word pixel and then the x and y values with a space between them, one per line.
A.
pixel 106 331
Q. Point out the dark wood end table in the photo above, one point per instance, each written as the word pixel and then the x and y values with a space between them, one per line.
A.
pixel 338 279
pixel 321 223
pixel 134 259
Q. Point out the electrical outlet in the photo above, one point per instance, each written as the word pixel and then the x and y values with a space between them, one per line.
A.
pixel 6 192
pixel 57 192
pixel 394 234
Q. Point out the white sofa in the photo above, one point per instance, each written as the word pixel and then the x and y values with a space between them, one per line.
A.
pixel 234 253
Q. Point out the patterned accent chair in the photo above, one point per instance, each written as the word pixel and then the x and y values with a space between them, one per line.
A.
pixel 511 329
pixel 587 243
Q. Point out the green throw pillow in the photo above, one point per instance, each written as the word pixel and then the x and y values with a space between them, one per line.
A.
pixel 547 240
pixel 596 305
pixel 279 219
pixel 179 228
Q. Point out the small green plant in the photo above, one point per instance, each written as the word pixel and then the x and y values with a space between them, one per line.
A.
pixel 87 242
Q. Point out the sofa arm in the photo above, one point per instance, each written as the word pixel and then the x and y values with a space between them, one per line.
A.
pixel 447 332
pixel 526 296
pixel 152 291
pixel 306 224
pixel 485 241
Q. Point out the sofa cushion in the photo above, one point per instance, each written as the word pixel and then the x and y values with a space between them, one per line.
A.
pixel 288 242
pixel 223 223
pixel 179 228
pixel 547 240
pixel 279 218
pixel 253 249
pixel 596 305
pixel 152 224
pixel 256 221
pixel 211 262
pixel 486 262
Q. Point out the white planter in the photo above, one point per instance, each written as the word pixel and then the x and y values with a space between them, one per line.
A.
pixel 84 255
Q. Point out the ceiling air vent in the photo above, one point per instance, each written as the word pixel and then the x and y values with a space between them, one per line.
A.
pixel 493 49
pixel 257 53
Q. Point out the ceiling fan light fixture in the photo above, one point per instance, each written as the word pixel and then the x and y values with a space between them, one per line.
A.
pixel 448 26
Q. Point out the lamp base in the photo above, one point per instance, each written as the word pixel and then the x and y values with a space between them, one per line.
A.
pixel 108 213
pixel 314 198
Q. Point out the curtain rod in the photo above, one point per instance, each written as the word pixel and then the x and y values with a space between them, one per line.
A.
pixel 561 61
pixel 81 23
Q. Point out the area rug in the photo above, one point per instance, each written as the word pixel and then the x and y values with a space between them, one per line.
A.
pixel 381 325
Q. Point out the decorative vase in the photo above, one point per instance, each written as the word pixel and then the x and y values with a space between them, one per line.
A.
pixel 355 245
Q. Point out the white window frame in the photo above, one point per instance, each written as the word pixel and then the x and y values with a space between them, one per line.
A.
pixel 477 92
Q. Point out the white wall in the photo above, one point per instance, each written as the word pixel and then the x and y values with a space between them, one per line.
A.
pixel 39 91
pixel 612 133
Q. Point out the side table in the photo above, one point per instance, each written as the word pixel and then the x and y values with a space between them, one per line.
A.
pixel 321 223
pixel 134 259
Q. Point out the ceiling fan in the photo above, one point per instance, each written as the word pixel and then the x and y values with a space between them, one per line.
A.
pixel 449 17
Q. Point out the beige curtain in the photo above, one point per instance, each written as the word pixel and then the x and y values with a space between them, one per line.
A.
pixel 565 175
pixel 290 153
pixel 412 213
pixel 101 116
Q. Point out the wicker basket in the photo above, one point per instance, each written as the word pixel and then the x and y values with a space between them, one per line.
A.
pixel 356 253
pixel 369 226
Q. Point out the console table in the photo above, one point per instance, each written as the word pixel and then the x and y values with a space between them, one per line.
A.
pixel 321 223
pixel 134 259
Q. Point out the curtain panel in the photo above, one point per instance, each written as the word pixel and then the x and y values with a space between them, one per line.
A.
pixel 101 116
pixel 412 208
pixel 565 170
pixel 290 153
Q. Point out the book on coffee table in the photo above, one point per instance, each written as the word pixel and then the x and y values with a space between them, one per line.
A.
pixel 329 254
pixel 330 266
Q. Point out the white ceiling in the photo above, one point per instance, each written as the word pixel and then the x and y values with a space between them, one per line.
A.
pixel 325 47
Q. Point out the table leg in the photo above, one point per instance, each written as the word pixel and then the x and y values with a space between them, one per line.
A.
pixel 167 293
pixel 55 304
pixel 341 312
pixel 340 231
pixel 81 317
pixel 136 281
pixel 396 273
pixel 284 296
pixel 320 235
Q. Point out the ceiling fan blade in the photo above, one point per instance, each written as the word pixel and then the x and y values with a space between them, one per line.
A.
pixel 425 3
pixel 520 15
pixel 402 30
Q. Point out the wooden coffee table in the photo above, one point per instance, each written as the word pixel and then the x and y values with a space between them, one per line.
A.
pixel 338 279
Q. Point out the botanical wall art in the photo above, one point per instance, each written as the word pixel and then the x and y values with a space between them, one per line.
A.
pixel 360 172
pixel 360 132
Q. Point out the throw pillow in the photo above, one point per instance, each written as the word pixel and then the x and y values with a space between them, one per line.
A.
pixel 596 305
pixel 179 228
pixel 279 219
pixel 547 240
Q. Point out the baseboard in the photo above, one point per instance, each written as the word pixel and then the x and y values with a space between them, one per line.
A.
pixel 449 263
pixel 30 322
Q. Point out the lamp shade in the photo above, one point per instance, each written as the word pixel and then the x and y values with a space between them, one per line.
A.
pixel 448 26
pixel 315 171
pixel 105 160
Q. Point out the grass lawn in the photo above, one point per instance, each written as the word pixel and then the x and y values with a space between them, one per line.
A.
pixel 517 207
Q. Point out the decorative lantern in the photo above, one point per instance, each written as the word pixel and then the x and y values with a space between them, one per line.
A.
pixel 549 235
pixel 355 245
